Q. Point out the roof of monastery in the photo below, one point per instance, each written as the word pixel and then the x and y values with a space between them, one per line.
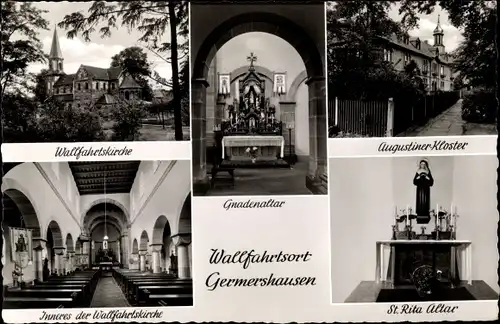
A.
pixel 100 74
pixel 129 83
pixel 425 49
pixel 65 79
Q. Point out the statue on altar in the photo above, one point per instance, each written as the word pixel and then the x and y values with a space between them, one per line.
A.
pixel 423 180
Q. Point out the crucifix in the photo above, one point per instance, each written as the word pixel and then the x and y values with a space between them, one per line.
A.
pixel 252 58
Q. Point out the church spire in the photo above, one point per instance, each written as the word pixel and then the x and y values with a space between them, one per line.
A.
pixel 55 49
pixel 438 36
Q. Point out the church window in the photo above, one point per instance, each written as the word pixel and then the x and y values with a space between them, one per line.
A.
pixel 60 66
pixel 104 85
pixel 112 86
pixel 127 95
pixel 86 85
pixel 79 86
pixel 97 85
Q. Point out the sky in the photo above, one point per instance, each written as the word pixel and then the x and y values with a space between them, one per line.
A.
pixel 98 51
pixel 427 23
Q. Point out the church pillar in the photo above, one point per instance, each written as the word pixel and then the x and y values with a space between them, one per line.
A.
pixel 199 130
pixel 142 260
pixel 287 115
pixel 182 241
pixel 85 256
pixel 317 135
pixel 39 245
pixel 59 260
pixel 219 111
pixel 118 251
pixel 156 250
pixel 71 261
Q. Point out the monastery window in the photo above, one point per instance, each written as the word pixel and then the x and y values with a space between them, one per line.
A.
pixel 97 85
pixel 127 95
pixel 60 66
pixel 112 86
pixel 86 85
pixel 407 58
pixel 387 55
pixel 104 85
pixel 434 67
pixel 79 86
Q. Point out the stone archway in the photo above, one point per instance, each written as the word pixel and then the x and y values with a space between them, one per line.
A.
pixel 135 247
pixel 305 35
pixel 143 251
pixel 182 240
pixel 161 244
pixel 70 253
pixel 55 247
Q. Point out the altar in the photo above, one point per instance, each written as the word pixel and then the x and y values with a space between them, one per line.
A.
pixel 395 260
pixel 268 148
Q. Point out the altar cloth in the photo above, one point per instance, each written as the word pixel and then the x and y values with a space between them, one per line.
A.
pixel 253 140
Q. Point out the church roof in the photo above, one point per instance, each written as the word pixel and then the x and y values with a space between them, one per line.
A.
pixel 425 49
pixel 55 49
pixel 129 83
pixel 103 74
pixel 65 79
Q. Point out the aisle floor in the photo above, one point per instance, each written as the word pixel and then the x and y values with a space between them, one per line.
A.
pixel 108 294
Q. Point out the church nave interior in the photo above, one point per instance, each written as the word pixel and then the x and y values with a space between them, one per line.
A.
pixel 97 234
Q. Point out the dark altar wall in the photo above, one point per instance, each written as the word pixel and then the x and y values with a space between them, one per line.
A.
pixel 362 208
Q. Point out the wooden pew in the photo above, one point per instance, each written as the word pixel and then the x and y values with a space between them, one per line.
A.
pixel 36 302
pixel 138 293
pixel 170 295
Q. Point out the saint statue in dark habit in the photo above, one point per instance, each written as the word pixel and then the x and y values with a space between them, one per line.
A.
pixel 423 181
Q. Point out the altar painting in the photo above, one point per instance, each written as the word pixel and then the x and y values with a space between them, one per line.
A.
pixel 279 83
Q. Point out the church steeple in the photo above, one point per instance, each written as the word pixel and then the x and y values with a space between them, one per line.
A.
pixel 438 36
pixel 56 59
pixel 55 49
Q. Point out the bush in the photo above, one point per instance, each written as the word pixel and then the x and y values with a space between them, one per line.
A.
pixel 128 117
pixel 480 106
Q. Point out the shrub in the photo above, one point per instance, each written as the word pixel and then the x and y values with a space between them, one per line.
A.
pixel 480 106
pixel 128 121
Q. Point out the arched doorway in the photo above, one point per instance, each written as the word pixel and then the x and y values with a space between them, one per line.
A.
pixel 288 22
pixel 161 245
pixel 106 219
pixel 55 248
pixel 20 216
pixel 144 256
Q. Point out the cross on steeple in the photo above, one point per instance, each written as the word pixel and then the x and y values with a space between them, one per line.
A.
pixel 252 58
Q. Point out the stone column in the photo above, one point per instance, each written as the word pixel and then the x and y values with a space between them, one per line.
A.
pixel 317 134
pixel 219 111
pixel 287 112
pixel 182 241
pixel 156 258
pixel 71 261
pixel 59 260
pixel 125 247
pixel 142 260
pixel 39 245
pixel 199 140
pixel 118 251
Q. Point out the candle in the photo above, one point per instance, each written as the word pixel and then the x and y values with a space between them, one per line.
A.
pixel 451 209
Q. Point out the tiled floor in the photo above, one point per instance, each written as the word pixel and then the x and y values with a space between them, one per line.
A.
pixel 269 181
pixel 108 294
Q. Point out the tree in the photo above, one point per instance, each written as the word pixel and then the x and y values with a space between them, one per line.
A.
pixel 20 43
pixel 18 118
pixel 153 19
pixel 134 61
pixel 128 120
pixel 57 123
pixel 40 89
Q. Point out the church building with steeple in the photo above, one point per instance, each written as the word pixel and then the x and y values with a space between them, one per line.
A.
pixel 89 85
pixel 433 62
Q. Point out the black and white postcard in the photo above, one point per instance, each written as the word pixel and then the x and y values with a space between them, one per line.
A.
pixel 409 230
pixel 95 71
pixel 258 99
pixel 411 68
pixel 96 234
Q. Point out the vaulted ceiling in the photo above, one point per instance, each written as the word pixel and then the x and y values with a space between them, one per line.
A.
pixel 104 177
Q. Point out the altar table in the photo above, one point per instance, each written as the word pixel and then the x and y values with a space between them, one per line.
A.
pixel 259 141
pixel 381 246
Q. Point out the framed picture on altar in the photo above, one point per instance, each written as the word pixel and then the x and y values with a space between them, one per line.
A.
pixel 224 84
pixel 279 83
